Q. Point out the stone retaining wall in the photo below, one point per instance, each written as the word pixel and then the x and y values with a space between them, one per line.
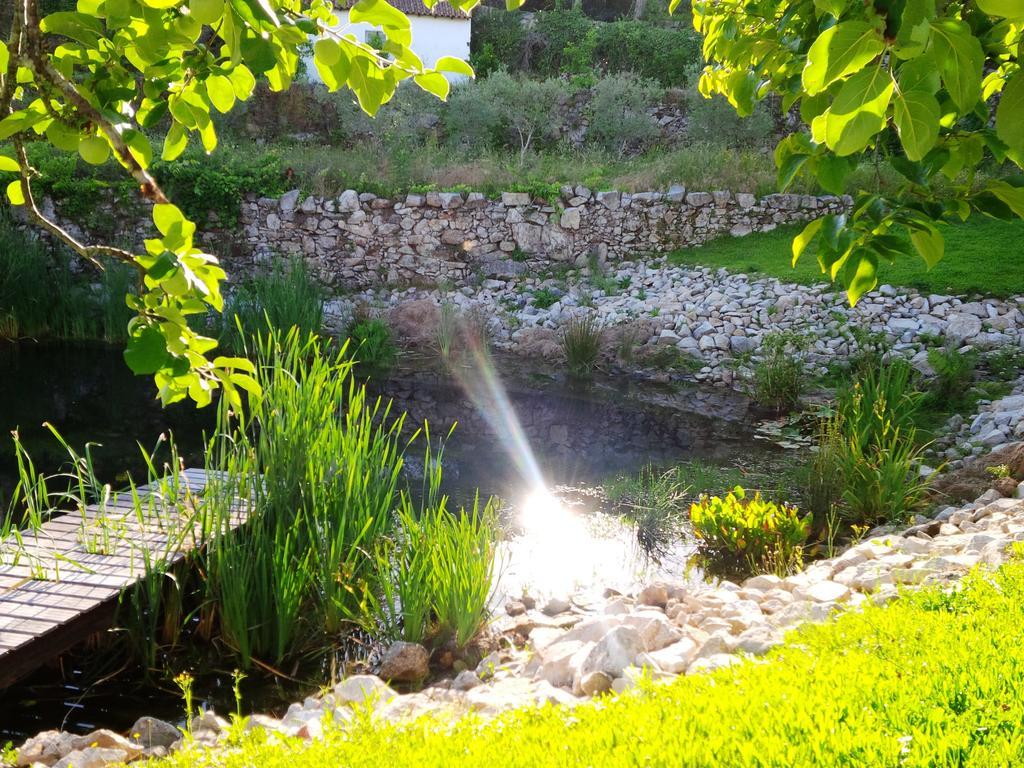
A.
pixel 360 240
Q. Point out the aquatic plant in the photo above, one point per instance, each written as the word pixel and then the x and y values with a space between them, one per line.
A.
pixel 41 295
pixel 879 455
pixel 286 296
pixel 319 464
pixel 372 346
pixel 581 343
pixel 434 575
pixel 760 533
pixel 778 376
pixel 653 502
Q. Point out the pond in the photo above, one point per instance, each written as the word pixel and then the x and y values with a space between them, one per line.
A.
pixel 528 435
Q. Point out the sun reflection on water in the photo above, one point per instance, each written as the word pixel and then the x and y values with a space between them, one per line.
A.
pixel 560 550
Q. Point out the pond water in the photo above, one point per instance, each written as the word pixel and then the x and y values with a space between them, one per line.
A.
pixel 529 436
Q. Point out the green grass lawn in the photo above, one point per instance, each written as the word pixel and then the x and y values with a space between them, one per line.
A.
pixel 983 256
pixel 933 679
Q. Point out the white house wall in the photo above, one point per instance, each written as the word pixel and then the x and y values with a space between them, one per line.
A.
pixel 432 38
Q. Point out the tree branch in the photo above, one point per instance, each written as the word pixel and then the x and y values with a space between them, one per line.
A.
pixel 39 63
pixel 88 252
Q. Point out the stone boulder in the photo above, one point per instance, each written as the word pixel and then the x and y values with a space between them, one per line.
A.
pixel 416 321
pixel 152 733
pixel 405 663
pixel 612 654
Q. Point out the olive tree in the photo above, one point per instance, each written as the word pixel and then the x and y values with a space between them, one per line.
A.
pixel 112 77
pixel 935 88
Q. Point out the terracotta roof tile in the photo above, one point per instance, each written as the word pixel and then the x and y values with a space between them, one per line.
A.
pixel 441 9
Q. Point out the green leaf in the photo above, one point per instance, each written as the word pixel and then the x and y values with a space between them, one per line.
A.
pixel 1010 113
pixel 860 274
pixel 78 26
pixel 435 83
pixel 916 114
pixel 5 56
pixel 929 244
pixel 831 172
pixel 919 75
pixel 914 28
pixel 378 13
pixel 453 64
pixel 960 59
pixel 14 193
pixel 801 241
pixel 9 165
pixel 243 82
pixel 166 217
pixel 221 92
pixel 326 52
pixel 1012 196
pixel 832 7
pixel 237 363
pixel 1010 9
pixel 175 142
pixel 146 351
pixel 858 112
pixel 19 121
pixel 840 51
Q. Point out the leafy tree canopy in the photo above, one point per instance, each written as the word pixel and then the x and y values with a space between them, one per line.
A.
pixel 935 89
pixel 106 78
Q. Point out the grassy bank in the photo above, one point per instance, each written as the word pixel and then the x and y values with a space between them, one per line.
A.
pixel 931 680
pixel 983 256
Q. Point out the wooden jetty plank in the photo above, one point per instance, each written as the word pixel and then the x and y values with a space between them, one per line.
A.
pixel 11 609
pixel 59 594
pixel 41 618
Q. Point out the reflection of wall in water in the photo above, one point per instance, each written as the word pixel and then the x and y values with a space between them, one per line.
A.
pixel 578 436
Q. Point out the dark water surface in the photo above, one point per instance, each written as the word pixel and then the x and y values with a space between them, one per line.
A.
pixel 573 435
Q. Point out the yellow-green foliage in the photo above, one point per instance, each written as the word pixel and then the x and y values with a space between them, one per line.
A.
pixel 931 680
pixel 755 530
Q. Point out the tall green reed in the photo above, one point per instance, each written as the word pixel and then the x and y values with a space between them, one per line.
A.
pixel 318 462
pixel 880 454
pixel 435 574
pixel 286 296
pixel 41 295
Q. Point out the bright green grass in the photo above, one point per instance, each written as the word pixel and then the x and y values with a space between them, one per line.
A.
pixel 983 256
pixel 931 680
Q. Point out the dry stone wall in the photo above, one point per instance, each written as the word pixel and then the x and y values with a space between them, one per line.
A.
pixel 361 240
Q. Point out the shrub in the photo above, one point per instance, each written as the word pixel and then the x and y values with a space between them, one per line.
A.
pixel 371 346
pixel 565 41
pixel 496 40
pixel 762 534
pixel 581 342
pixel 954 374
pixel 668 55
pixel 202 184
pixel 543 298
pixel 778 377
pixel 714 121
pixel 618 113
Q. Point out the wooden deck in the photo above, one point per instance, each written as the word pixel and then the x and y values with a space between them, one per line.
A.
pixel 60 584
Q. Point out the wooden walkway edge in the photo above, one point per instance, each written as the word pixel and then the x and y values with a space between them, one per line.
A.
pixel 61 584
